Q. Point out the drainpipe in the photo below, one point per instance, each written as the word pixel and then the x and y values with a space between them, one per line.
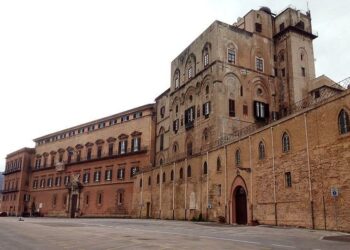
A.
pixel 274 175
pixel 185 174
pixel 160 192
pixel 207 215
pixel 141 205
pixel 174 178
pixel 226 185
pixel 309 173
pixel 251 178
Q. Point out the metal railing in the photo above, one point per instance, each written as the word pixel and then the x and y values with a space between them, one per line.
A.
pixel 94 157
pixel 324 95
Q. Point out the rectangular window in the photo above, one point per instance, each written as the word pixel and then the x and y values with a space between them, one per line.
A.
pixel 97 176
pixel 261 110
pixel 177 82
pixel 162 112
pixel 101 125
pixel 86 177
pixel 283 72
pixel 121 173
pixel 123 147
pixel 125 118
pixel 176 125
pixel 108 175
pixel 99 151
pixel 206 59
pixel 231 108
pixel 303 73
pixel 259 63
pixel 288 179
pixel 134 171
pixel 88 156
pixel 58 181
pixel 66 180
pixel 189 117
pixel 258 27
pixel 110 149
pixel 231 56
pixel 135 144
pixel 206 109
pixel 137 115
pixel 78 155
pixel 70 154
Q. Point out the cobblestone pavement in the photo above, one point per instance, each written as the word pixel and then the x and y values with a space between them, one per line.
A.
pixel 54 233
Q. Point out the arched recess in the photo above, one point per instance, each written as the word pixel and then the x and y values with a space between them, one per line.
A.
pixel 239 209
pixel 190 66
pixel 232 86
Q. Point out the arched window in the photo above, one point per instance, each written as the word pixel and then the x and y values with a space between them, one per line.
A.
pixel 140 183
pixel 149 181
pixel 177 78
pixel 238 157
pixel 161 161
pixel 285 142
pixel 207 90
pixel 205 168
pixel 163 177
pixel 343 122
pixel 261 150
pixel 205 57
pixel 157 178
pixel 189 171
pixel 218 164
pixel 172 175
pixel 181 173
pixel 175 147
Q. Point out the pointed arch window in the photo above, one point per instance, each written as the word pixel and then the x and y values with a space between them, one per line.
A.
pixel 261 150
pixel 238 157
pixel 285 142
pixel 189 171
pixel 172 175
pixel 343 122
pixel 218 164
pixel 164 179
pixel 181 173
pixel 205 168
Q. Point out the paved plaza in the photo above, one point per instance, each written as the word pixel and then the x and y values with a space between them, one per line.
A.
pixel 54 233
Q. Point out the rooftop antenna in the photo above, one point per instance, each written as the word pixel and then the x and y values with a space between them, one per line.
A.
pixel 308 7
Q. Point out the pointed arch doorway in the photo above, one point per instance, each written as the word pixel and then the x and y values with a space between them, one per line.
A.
pixel 240 198
pixel 240 211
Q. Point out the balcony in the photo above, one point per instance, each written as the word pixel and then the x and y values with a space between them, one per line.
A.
pixel 96 157
pixel 8 191
pixel 11 171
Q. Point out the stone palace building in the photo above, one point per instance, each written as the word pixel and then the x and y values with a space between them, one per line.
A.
pixel 246 134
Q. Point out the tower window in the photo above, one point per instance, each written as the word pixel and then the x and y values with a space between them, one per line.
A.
pixel 303 73
pixel 258 27
pixel 288 179
pixel 343 122
pixel 259 63
pixel 231 108
pixel 231 56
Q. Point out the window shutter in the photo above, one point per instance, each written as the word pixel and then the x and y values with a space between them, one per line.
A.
pixel 267 110
pixel 256 109
pixel 132 144
pixel 126 147
pixel 139 143
pixel 106 173
pixel 203 109
pixel 120 147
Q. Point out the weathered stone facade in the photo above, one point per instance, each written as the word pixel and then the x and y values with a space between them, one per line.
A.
pixel 245 134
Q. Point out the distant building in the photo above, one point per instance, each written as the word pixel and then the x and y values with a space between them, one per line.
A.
pixel 1 187
pixel 245 134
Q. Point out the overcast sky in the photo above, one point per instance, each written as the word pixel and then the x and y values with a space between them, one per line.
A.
pixel 63 63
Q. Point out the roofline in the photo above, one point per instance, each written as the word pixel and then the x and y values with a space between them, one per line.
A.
pixel 19 151
pixel 143 107
pixel 162 94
